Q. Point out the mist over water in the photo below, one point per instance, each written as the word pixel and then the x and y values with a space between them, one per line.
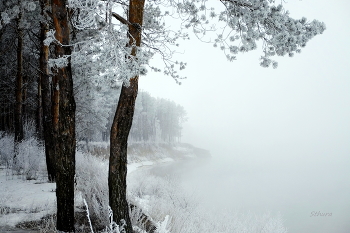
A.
pixel 280 182
pixel 279 138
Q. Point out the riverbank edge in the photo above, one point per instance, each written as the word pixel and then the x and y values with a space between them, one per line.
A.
pixel 139 155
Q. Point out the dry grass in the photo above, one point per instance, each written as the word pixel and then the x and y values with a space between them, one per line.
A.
pixel 152 151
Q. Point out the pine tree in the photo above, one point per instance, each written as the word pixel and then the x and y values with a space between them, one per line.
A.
pixel 63 119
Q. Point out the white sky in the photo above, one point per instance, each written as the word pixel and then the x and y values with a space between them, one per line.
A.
pixel 237 105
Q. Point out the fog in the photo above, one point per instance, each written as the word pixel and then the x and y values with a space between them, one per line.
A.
pixel 279 139
pixel 256 188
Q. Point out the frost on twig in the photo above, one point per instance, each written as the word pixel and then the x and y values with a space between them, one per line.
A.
pixel 50 37
pixel 113 227
pixel 87 215
pixel 13 9
pixel 60 62
pixel 234 26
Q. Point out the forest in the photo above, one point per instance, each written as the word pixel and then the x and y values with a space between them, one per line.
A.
pixel 71 68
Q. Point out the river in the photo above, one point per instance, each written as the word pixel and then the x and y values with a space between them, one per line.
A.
pixel 311 197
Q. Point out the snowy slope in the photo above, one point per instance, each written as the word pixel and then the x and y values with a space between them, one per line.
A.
pixel 24 200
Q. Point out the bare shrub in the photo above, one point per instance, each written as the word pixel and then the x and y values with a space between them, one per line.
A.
pixel 30 158
pixel 48 224
pixel 29 129
pixel 91 183
pixel 6 149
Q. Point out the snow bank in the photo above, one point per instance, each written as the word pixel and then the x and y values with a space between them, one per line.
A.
pixel 24 200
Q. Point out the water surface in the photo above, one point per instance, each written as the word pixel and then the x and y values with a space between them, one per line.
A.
pixel 311 196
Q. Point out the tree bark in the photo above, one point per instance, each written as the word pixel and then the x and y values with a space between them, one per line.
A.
pixel 19 85
pixel 24 98
pixel 64 122
pixel 39 110
pixel 46 98
pixel 121 127
pixel 39 113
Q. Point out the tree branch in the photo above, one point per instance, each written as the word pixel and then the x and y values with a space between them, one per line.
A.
pixel 121 19
pixel 239 4
pixel 124 21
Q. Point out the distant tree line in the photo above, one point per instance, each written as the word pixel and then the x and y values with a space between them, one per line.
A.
pixel 156 119
pixel 19 65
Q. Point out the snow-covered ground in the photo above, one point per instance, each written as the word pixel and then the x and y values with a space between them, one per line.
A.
pixel 134 166
pixel 24 200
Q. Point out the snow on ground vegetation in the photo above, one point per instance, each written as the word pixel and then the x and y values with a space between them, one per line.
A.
pixel 26 196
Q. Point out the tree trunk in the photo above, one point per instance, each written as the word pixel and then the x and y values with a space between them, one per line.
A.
pixel 19 85
pixel 24 98
pixel 39 113
pixel 64 122
pixel 46 99
pixel 121 127
pixel 118 153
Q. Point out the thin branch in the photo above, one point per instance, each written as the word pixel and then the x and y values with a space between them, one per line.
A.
pixel 121 19
pixel 38 70
pixel 240 4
